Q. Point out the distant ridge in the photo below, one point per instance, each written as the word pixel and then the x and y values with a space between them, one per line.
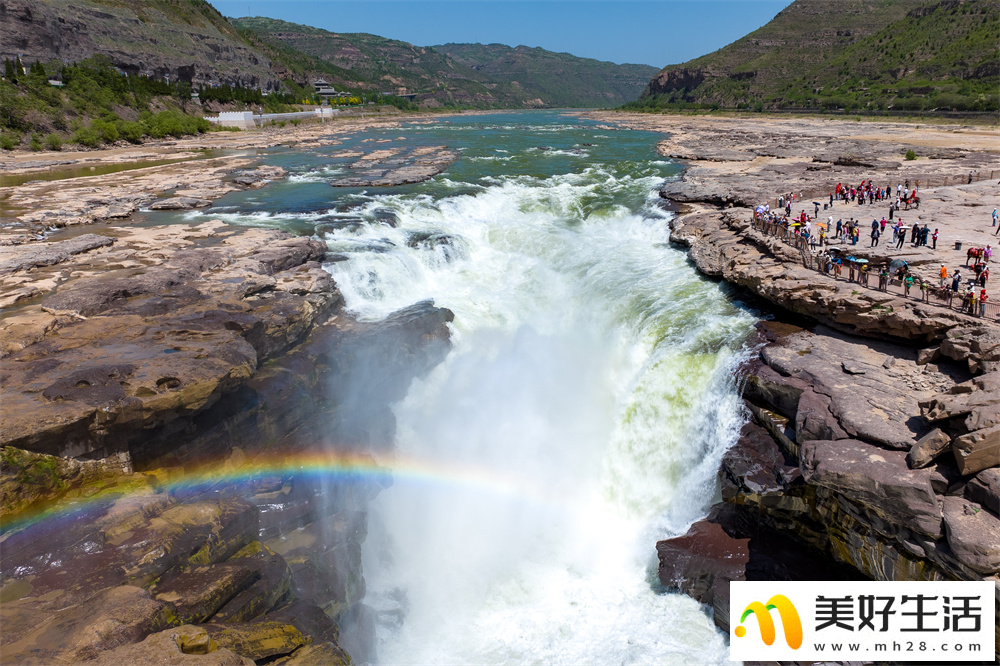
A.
pixel 561 78
pixel 849 54
pixel 189 40
pixel 459 74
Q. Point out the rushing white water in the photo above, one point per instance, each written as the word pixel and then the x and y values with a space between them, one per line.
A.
pixel 589 388
pixel 580 415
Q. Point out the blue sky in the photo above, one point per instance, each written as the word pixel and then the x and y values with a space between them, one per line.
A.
pixel 654 32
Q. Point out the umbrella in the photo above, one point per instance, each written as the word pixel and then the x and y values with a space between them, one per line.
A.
pixel 821 225
pixel 897 264
pixel 861 261
pixel 851 257
pixel 816 203
pixel 795 224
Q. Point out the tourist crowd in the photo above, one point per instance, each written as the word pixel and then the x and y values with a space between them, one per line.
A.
pixel 832 260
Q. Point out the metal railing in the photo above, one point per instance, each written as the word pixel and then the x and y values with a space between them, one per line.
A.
pixel 933 294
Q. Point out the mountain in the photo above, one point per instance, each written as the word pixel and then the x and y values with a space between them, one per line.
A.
pixel 189 40
pixel 560 78
pixel 466 74
pixel 183 39
pixel 850 54
pixel 371 62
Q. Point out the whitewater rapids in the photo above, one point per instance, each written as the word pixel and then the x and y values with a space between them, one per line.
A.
pixel 590 386
pixel 580 415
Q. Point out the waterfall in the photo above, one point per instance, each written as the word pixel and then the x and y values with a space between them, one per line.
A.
pixel 579 418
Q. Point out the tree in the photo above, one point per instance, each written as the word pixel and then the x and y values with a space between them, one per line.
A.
pixel 8 71
pixel 10 106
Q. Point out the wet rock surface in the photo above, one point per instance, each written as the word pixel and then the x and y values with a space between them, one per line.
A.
pixel 257 640
pixel 30 480
pixel 390 166
pixel 113 617
pixel 316 654
pixel 182 646
pixel 43 207
pixel 732 544
pixel 267 565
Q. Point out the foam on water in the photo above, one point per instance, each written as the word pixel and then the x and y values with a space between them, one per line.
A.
pixel 320 175
pixel 592 365
pixel 492 158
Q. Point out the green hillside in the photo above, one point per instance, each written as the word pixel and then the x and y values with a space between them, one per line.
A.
pixel 125 70
pixel 180 39
pixel 559 78
pixel 458 74
pixel 370 62
pixel 849 54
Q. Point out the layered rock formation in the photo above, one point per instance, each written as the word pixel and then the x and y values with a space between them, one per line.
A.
pixel 180 402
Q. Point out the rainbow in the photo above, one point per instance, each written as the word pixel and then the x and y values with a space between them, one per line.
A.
pixel 321 467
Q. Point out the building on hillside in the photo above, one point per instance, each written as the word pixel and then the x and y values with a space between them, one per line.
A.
pixel 327 91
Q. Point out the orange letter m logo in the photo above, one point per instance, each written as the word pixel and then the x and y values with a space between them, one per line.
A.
pixel 789 621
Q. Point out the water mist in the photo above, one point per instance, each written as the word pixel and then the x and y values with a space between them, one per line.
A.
pixel 578 418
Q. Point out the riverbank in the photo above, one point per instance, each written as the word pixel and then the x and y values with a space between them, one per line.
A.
pixel 41 192
pixel 873 448
pixel 177 398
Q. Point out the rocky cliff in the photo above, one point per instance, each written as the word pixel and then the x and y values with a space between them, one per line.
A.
pixel 872 449
pixel 187 41
pixel 187 439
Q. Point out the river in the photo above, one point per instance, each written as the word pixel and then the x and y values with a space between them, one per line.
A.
pixel 581 413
